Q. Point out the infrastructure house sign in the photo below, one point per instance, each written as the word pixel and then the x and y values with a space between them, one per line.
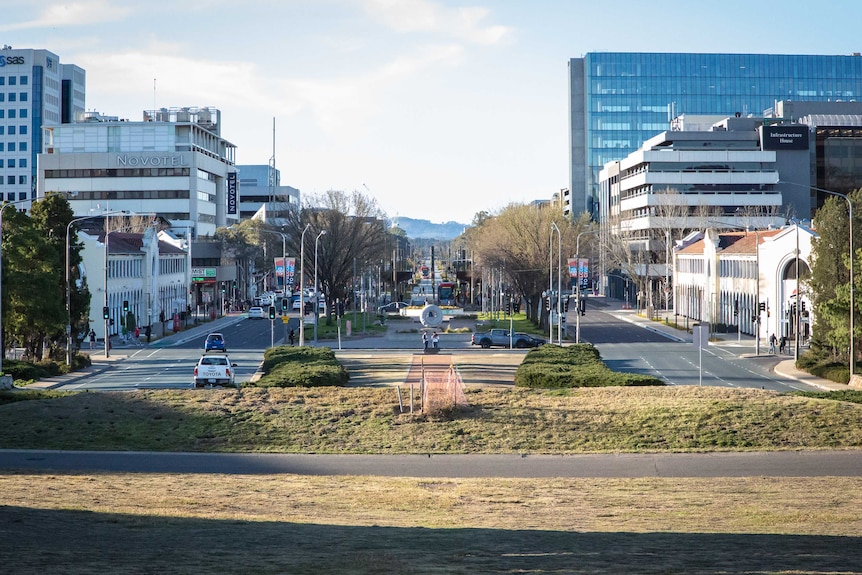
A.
pixel 785 137
pixel 203 275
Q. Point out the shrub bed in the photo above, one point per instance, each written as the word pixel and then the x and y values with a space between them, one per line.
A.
pixel 579 365
pixel 287 366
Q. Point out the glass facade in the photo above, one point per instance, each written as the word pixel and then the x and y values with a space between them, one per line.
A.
pixel 631 97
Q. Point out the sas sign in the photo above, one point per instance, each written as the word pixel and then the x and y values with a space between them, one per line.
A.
pixel 11 60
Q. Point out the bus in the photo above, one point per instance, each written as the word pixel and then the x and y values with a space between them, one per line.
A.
pixel 426 271
pixel 446 293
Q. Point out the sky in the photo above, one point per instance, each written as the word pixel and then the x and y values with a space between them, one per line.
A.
pixel 438 109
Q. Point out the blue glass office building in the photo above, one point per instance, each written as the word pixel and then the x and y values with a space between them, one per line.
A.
pixel 618 100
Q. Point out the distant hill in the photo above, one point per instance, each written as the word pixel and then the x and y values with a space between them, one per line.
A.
pixel 427 230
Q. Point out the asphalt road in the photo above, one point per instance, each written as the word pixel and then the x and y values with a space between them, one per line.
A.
pixel 621 465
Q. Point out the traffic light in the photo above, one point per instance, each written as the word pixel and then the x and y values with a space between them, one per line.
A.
pixel 272 312
pixel 548 303
pixel 125 306
pixel 582 307
pixel 517 305
pixel 566 305
pixel 340 307
pixel 285 305
pixel 106 313
pixel 762 306
pixel 222 289
pixel 803 305
pixel 234 284
pixel 508 307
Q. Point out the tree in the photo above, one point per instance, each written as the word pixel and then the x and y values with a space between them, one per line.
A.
pixel 517 240
pixel 830 277
pixel 33 302
pixel 355 239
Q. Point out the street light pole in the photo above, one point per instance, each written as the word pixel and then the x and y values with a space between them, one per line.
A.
pixel 550 286
pixel 578 284
pixel 68 281
pixel 302 286
pixel 852 254
pixel 559 282
pixel 316 292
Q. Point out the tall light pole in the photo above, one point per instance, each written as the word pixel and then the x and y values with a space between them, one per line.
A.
pixel 578 282
pixel 283 254
pixel 559 282
pixel 302 286
pixel 3 341
pixel 68 280
pixel 550 286
pixel 316 291
pixel 852 254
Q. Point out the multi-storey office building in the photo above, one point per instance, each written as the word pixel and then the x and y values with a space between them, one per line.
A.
pixel 262 196
pixel 617 100
pixel 174 163
pixel 36 92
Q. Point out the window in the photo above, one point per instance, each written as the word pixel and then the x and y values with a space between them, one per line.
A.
pixel 12 80
pixel 2 96
pixel 22 129
pixel 22 113
pixel 24 81
pixel 2 113
pixel 12 133
pixel 2 80
pixel 14 97
pixel 1 165
pixel 10 147
pixel 22 146
pixel 22 97
pixel 23 180
pixel 2 130
pixel 11 181
pixel 12 112
pixel 22 163
pixel 10 163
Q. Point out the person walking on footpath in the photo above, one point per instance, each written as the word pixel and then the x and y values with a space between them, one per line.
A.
pixel 290 337
pixel 92 339
pixel 137 335
pixel 425 339
pixel 782 343
pixel 435 340
pixel 772 342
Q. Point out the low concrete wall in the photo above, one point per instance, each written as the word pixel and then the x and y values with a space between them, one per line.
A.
pixel 6 382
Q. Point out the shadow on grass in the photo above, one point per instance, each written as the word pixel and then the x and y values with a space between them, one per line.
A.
pixel 50 541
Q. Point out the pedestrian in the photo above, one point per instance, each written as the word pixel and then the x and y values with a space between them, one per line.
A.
pixel 435 340
pixel 137 335
pixel 772 341
pixel 290 337
pixel 92 339
pixel 149 332
pixel 782 343
pixel 425 339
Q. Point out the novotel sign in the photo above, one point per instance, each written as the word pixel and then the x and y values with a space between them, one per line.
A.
pixel 172 161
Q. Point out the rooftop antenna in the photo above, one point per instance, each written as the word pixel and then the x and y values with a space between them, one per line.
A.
pixel 272 164
pixel 154 94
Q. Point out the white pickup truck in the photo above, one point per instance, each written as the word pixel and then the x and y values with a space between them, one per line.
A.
pixel 215 370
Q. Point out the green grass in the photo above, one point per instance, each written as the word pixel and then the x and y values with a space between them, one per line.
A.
pixel 367 420
pixel 519 323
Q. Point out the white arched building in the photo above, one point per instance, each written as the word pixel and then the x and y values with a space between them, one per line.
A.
pixel 150 274
pixel 746 280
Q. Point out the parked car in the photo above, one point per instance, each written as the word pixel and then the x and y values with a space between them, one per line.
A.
pixel 393 307
pixel 500 337
pixel 214 370
pixel 256 312
pixel 215 342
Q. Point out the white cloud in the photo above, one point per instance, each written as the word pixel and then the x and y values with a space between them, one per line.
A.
pixel 69 14
pixel 466 23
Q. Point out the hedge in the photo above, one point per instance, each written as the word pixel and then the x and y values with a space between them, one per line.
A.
pixel 579 365
pixel 288 366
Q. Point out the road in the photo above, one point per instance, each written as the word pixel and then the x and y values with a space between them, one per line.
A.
pixel 625 345
pixel 628 465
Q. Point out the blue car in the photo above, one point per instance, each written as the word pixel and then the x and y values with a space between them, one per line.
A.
pixel 215 342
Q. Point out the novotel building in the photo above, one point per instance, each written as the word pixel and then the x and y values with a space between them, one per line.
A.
pixel 173 163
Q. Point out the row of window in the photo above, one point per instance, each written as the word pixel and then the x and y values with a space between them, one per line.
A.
pixel 12 130
pixel 10 197
pixel 134 195
pixel 14 97
pixel 116 172
pixel 13 80
pixel 12 163
pixel 13 113
pixel 13 146
pixel 10 180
